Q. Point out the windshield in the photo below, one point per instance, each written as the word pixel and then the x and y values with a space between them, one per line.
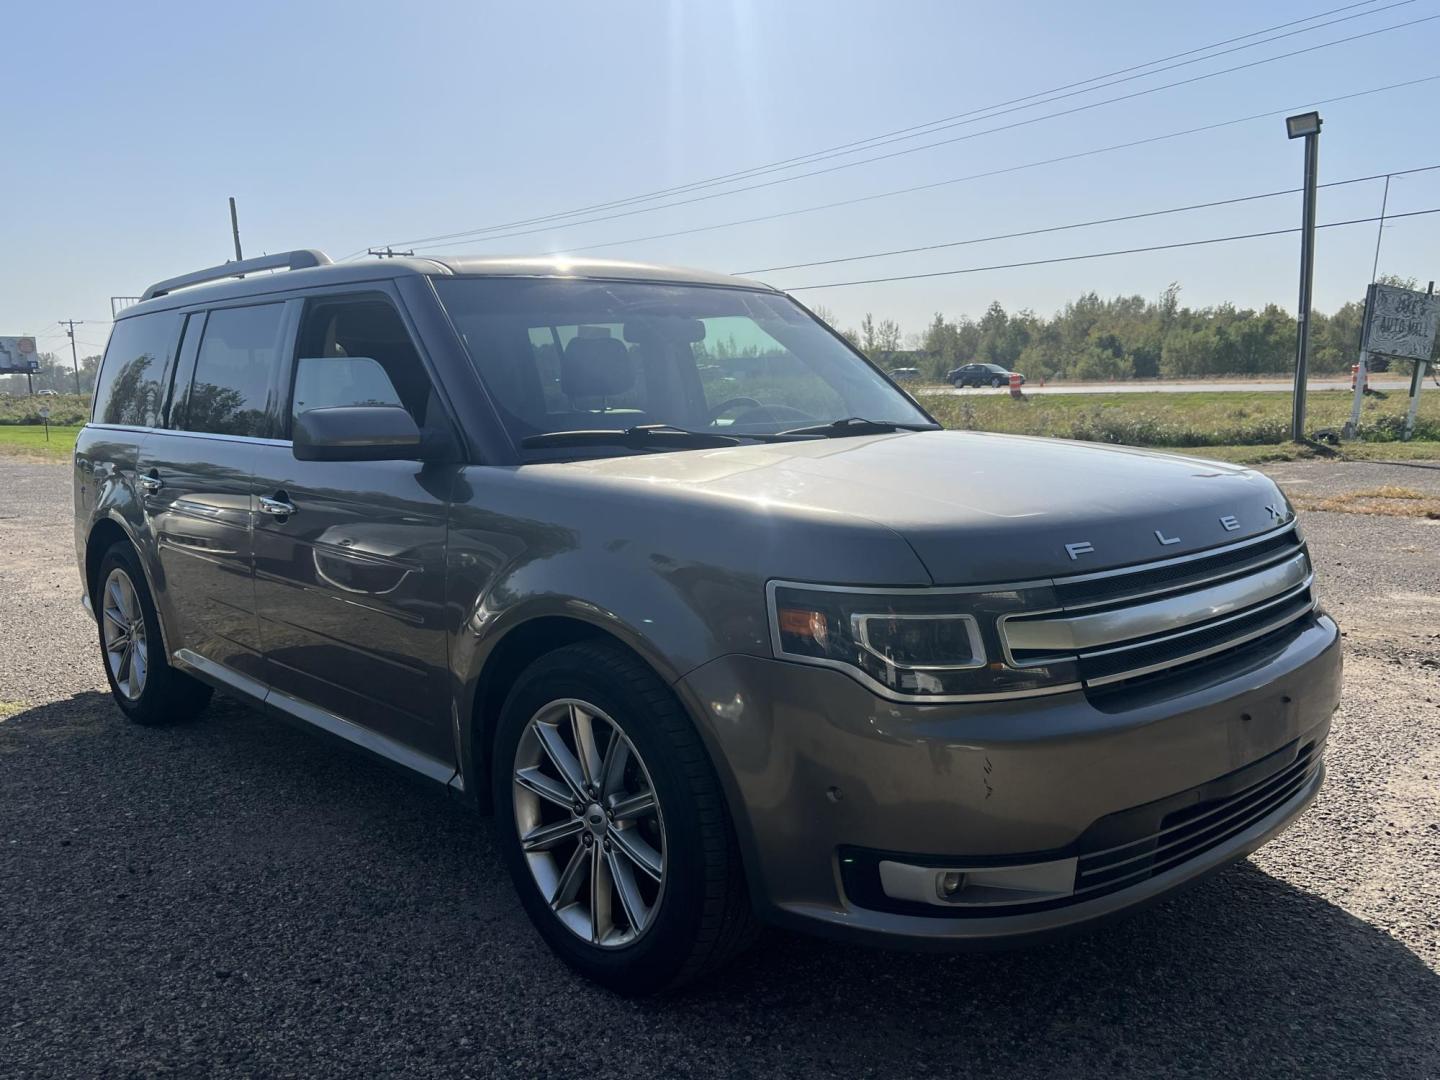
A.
pixel 567 355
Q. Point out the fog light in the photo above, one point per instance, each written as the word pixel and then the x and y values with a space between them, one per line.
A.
pixel 949 883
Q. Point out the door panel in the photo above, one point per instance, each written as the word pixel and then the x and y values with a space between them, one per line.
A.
pixel 350 591
pixel 196 493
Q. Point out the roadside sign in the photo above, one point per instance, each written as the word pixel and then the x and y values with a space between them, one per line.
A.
pixel 1400 322
pixel 45 418
pixel 18 356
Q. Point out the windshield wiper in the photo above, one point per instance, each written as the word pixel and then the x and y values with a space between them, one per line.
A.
pixel 657 436
pixel 858 425
pixel 641 436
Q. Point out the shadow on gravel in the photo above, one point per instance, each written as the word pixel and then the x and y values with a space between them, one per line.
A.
pixel 235 896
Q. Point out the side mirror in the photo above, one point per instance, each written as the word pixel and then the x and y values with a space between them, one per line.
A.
pixel 356 433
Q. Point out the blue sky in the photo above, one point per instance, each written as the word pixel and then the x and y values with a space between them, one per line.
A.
pixel 344 125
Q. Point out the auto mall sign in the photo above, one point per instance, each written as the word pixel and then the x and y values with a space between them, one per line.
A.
pixel 1400 322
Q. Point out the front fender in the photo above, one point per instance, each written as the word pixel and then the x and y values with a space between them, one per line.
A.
pixel 675 574
pixel 652 615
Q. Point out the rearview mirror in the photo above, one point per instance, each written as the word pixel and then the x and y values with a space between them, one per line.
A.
pixel 356 433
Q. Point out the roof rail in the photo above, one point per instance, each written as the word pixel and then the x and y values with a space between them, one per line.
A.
pixel 286 260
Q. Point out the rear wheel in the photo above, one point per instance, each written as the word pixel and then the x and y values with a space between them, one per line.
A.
pixel 612 823
pixel 144 685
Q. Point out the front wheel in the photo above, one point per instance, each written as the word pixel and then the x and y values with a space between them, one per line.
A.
pixel 612 823
pixel 997 382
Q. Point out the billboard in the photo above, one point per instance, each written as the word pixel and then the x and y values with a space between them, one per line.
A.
pixel 1400 322
pixel 18 356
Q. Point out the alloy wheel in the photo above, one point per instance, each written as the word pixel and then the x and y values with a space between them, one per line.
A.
pixel 589 823
pixel 123 630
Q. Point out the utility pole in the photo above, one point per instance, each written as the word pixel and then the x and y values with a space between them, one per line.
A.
pixel 1306 126
pixel 235 228
pixel 70 325
pixel 387 252
pixel 1380 231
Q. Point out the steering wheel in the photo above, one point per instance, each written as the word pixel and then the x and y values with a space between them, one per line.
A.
pixel 730 403
pixel 773 414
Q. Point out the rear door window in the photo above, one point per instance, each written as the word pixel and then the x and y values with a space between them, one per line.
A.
pixel 234 385
pixel 135 374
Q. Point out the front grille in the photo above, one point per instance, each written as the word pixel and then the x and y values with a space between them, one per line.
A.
pixel 1142 658
pixel 1189 831
pixel 1130 624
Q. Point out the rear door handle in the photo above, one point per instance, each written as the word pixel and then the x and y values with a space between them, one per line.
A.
pixel 277 507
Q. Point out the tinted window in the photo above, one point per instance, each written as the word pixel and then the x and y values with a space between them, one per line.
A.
pixel 134 376
pixel 184 370
pixel 357 352
pixel 235 372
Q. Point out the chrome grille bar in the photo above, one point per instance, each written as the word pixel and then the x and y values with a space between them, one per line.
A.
pixel 1078 633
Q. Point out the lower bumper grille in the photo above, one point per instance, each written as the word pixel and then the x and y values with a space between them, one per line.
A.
pixel 1120 850
pixel 1193 830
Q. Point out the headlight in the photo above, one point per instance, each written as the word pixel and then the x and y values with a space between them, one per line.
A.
pixel 925 644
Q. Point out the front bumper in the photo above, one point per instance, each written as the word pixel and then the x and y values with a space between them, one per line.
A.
pixel 822 774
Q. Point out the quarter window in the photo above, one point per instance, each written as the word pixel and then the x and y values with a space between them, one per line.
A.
pixel 235 371
pixel 135 374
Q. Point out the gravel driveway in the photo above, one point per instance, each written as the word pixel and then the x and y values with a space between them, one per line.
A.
pixel 238 898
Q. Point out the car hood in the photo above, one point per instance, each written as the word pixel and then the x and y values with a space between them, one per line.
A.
pixel 980 508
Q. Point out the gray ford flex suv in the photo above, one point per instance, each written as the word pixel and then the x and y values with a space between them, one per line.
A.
pixel 712 616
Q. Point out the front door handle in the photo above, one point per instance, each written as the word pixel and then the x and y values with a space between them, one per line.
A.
pixel 277 507
pixel 151 483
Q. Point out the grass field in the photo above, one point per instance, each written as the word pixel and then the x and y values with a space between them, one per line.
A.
pixel 29 440
pixel 1191 419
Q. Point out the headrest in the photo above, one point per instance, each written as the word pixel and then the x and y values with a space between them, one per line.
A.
pixel 666 328
pixel 596 367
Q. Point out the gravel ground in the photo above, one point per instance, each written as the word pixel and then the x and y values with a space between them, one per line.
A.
pixel 237 898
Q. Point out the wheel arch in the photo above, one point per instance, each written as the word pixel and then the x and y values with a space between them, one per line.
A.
pixel 519 647
pixel 103 535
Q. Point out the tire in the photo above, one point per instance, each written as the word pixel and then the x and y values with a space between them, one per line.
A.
pixel 697 915
pixel 147 689
pixel 997 382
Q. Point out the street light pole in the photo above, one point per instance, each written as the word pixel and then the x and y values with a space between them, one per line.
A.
pixel 1306 126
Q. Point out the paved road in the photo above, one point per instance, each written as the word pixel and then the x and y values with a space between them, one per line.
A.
pixel 237 898
pixel 1378 382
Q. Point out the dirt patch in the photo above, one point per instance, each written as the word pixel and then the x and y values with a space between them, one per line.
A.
pixel 1388 500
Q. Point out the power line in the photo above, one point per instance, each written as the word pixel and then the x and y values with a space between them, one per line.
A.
pixel 1061 159
pixel 450 239
pixel 1104 254
pixel 1085 224
pixel 968 116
